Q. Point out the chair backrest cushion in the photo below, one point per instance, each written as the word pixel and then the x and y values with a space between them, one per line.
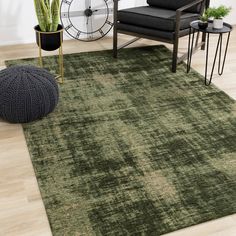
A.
pixel 174 4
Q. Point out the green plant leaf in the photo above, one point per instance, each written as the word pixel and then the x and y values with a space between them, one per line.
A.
pixel 218 12
pixel 55 8
pixel 47 15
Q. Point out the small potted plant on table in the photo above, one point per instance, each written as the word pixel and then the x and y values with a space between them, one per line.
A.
pixel 48 31
pixel 203 22
pixel 218 13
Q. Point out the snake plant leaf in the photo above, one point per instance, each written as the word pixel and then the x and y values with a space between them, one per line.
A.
pixel 55 8
pixel 47 14
pixel 47 3
pixel 40 12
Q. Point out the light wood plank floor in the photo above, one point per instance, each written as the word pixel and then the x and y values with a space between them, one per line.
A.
pixel 22 211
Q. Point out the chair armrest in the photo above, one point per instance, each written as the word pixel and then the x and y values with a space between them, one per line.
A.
pixel 179 12
pixel 188 5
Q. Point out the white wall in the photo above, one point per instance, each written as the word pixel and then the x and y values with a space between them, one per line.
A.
pixel 17 18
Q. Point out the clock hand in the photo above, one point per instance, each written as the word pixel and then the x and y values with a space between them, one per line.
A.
pixel 89 27
pixel 102 11
pixel 72 14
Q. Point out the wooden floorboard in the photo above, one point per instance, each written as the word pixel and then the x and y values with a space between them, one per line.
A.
pixel 22 212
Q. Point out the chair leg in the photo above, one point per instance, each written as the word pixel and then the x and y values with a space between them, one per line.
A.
pixel 203 41
pixel 115 9
pixel 175 55
pixel 115 36
pixel 197 39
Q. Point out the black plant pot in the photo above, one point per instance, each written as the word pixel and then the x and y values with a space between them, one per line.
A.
pixel 202 25
pixel 50 41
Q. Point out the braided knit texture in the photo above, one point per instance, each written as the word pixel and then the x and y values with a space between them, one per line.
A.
pixel 27 93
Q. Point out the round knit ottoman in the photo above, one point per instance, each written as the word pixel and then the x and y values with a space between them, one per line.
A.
pixel 27 93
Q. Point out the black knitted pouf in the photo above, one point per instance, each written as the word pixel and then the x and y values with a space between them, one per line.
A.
pixel 27 93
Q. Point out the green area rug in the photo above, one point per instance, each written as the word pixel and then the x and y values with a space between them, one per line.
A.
pixel 133 149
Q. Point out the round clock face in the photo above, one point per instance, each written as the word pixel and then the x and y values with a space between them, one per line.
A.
pixel 87 20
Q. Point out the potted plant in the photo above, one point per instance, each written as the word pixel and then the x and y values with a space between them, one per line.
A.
pixel 203 21
pixel 218 13
pixel 48 31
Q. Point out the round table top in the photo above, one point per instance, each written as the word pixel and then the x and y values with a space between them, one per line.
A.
pixel 226 28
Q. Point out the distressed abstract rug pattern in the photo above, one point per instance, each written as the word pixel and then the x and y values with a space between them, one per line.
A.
pixel 133 149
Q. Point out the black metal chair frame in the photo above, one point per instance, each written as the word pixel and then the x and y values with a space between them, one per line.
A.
pixel 175 41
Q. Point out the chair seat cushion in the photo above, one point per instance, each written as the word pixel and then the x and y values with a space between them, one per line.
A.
pixel 154 18
pixel 149 33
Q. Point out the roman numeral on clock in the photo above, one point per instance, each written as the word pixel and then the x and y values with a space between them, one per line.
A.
pixel 109 23
pixel 67 1
pixel 101 32
pixel 78 34
pixel 68 27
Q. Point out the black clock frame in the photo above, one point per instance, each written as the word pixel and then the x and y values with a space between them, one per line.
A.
pixel 89 13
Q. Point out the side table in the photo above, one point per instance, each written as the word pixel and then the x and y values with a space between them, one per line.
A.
pixel 227 28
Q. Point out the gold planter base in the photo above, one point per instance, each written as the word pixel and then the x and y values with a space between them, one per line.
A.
pixel 60 76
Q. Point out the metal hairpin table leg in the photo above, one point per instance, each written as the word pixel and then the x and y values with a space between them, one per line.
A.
pixel 207 56
pixel 218 49
pixel 221 69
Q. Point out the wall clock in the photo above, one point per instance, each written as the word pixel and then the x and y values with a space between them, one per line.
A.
pixel 87 20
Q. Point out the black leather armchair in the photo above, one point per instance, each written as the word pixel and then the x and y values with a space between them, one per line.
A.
pixel 161 20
